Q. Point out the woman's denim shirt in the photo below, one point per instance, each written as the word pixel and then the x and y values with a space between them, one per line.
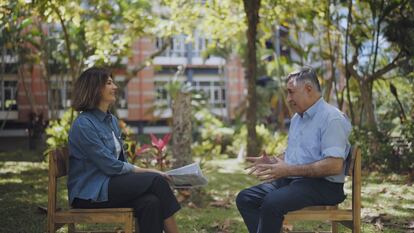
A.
pixel 93 158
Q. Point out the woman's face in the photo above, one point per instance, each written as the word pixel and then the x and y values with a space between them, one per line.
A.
pixel 109 92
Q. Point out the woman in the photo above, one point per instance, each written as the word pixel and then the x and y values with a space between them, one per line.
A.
pixel 99 174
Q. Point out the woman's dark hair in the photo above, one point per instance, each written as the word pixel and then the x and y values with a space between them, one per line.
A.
pixel 87 89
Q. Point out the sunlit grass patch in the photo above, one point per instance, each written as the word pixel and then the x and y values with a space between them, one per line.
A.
pixel 388 203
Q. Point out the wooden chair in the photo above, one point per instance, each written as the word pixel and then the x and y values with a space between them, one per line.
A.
pixel 350 218
pixel 57 217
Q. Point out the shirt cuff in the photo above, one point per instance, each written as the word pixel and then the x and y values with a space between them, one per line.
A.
pixel 336 152
pixel 127 168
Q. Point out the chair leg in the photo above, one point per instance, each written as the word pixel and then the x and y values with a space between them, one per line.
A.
pixel 334 227
pixel 356 228
pixel 51 227
pixel 129 224
pixel 71 228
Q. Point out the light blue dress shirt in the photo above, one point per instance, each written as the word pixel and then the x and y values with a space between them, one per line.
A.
pixel 321 132
pixel 93 158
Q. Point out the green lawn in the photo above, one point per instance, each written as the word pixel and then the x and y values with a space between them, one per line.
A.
pixel 388 203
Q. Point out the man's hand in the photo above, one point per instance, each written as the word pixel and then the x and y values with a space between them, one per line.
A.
pixel 326 167
pixel 264 159
pixel 269 172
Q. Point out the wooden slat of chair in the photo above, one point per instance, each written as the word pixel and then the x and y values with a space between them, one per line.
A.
pixel 350 218
pixel 58 167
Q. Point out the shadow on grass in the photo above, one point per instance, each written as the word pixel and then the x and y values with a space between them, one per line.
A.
pixel 23 155
pixel 21 194
pixel 23 187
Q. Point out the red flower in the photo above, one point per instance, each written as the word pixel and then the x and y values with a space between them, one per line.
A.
pixel 157 143
pixel 160 145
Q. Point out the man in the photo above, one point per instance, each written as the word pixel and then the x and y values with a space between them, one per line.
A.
pixel 311 171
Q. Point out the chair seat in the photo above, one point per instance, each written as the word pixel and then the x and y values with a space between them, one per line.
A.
pixel 321 207
pixel 320 215
pixel 101 210
pixel 348 217
pixel 104 215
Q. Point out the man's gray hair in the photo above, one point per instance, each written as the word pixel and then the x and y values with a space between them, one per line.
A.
pixel 305 75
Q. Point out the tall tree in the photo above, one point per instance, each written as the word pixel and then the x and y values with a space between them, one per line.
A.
pixel 251 7
pixel 381 59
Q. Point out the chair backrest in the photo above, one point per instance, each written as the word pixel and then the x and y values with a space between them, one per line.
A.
pixel 58 167
pixel 59 162
pixel 350 161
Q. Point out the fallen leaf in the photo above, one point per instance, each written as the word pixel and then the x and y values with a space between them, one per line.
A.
pixel 287 227
pixel 410 225
pixel 192 205
pixel 223 227
pixel 384 190
pixel 378 224
pixel 221 204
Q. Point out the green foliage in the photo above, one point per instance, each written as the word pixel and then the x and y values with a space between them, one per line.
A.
pixel 271 143
pixel 58 131
pixel 216 138
pixel 375 147
pixel 213 137
pixel 130 145
pixel 388 149
pixel 98 29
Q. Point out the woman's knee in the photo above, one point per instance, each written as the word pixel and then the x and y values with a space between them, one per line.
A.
pixel 160 183
pixel 148 202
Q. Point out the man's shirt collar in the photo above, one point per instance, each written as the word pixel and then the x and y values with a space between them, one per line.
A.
pixel 312 110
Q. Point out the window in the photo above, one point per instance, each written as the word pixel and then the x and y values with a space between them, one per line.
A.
pixel 215 92
pixel 8 95
pixel 178 46
pixel 200 44
pixel 161 94
pixel 59 94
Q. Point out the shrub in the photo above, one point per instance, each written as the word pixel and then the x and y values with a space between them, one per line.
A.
pixel 57 131
pixel 272 143
pixel 388 149
pixel 212 137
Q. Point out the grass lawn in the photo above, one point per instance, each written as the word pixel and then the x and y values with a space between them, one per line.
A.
pixel 388 203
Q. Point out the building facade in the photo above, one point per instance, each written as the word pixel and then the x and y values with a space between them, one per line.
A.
pixel 222 82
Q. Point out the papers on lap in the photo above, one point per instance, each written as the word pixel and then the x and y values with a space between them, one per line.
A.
pixel 188 176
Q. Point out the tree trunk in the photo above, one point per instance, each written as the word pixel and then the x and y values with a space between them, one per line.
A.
pixel 251 7
pixel 181 129
pixel 368 117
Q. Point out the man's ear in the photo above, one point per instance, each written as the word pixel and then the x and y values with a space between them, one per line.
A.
pixel 308 87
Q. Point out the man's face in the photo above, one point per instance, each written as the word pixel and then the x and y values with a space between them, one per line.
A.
pixel 298 95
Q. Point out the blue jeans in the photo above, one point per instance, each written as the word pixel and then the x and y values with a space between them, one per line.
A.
pixel 263 206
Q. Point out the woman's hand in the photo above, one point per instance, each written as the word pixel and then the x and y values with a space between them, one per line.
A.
pixel 163 174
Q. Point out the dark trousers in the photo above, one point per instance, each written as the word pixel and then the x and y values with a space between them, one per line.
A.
pixel 152 202
pixel 263 206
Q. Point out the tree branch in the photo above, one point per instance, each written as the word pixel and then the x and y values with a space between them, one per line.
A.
pixel 131 71
pixel 390 66
pixel 354 61
pixel 67 42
